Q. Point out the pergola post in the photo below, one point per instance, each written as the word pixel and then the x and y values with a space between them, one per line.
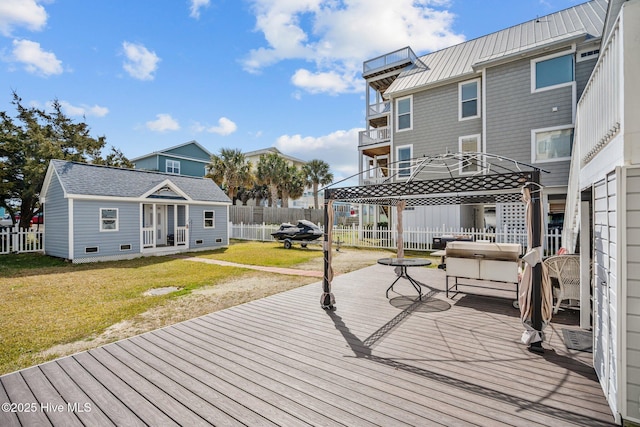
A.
pixel 536 273
pixel 327 299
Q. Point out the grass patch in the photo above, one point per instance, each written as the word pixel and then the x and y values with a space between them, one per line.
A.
pixel 47 302
pixel 270 254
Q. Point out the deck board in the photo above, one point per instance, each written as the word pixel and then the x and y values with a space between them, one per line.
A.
pixel 282 360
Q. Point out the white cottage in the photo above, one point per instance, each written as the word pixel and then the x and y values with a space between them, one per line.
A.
pixel 99 213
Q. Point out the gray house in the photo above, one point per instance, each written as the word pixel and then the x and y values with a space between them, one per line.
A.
pixel 98 213
pixel 511 93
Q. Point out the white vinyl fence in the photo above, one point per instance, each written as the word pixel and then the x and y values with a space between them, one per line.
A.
pixel 16 240
pixel 418 239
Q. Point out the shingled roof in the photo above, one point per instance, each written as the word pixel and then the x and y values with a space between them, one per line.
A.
pixel 580 22
pixel 82 179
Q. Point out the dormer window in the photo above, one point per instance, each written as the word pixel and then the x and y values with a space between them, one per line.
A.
pixel 173 166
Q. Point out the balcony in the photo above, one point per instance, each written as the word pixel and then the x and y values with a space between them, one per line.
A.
pixel 374 136
pixel 391 61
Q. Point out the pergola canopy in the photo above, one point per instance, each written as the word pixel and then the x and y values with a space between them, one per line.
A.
pixel 495 180
pixel 447 179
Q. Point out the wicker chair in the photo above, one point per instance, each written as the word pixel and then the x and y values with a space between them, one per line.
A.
pixel 566 269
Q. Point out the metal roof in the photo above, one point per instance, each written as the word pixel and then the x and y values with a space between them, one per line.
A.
pixel 82 179
pixel 581 21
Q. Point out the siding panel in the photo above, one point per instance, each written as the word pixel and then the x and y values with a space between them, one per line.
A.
pixel 633 292
pixel 86 224
pixel 56 208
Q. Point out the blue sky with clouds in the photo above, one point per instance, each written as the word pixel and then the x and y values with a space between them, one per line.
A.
pixel 248 74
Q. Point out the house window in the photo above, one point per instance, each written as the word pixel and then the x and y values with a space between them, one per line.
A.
pixel 469 144
pixel 469 95
pixel 551 72
pixel 108 219
pixel 209 219
pixel 173 166
pixel 403 156
pixel 403 113
pixel 551 144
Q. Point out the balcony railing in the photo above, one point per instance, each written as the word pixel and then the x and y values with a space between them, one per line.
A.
pixel 387 60
pixel 379 108
pixel 599 112
pixel 374 136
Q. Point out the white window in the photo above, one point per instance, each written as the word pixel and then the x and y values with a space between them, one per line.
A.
pixel 552 72
pixel 209 219
pixel 404 118
pixel 469 144
pixel 403 160
pixel 469 99
pixel 108 219
pixel 551 144
pixel 173 166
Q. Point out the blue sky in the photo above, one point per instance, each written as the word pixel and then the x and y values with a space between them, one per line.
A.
pixel 248 74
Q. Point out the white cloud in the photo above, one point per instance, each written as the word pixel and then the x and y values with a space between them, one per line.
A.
pixel 196 5
pixel 163 123
pixel 338 149
pixel 36 60
pixel 21 13
pixel 337 36
pixel 141 63
pixel 329 82
pixel 84 110
pixel 225 127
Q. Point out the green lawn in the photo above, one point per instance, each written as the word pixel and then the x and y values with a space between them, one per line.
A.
pixel 46 301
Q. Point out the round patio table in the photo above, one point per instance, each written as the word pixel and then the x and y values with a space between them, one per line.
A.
pixel 405 263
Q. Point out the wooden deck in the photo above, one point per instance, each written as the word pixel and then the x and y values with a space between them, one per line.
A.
pixel 284 361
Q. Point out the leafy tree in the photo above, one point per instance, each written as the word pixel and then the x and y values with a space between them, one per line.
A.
pixel 115 159
pixel 292 185
pixel 317 173
pixel 28 142
pixel 230 170
pixel 270 171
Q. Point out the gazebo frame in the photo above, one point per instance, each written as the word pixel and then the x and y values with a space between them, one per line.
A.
pixel 484 187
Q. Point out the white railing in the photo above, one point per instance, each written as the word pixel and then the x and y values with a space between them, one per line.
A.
pixel 16 240
pixel 599 112
pixel 374 136
pixel 379 108
pixel 148 237
pixel 181 236
pixel 418 239
pixel 389 59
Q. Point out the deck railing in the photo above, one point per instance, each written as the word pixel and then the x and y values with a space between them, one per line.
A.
pixel 598 117
pixel 148 237
pixel 374 136
pixel 181 236
pixel 17 240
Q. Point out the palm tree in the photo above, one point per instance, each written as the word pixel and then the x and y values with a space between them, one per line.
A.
pixel 270 171
pixel 292 185
pixel 230 170
pixel 317 173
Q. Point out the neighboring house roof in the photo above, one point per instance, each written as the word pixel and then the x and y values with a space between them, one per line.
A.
pixel 175 151
pixel 576 23
pixel 258 153
pixel 82 179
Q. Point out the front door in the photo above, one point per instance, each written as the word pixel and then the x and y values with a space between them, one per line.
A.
pixel 161 224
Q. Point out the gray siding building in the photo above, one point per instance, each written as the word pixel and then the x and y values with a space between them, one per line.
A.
pixel 512 93
pixel 98 213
